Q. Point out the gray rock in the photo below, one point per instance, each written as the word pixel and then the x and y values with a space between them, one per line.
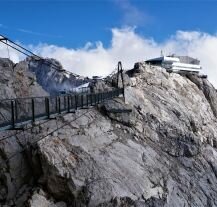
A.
pixel 156 149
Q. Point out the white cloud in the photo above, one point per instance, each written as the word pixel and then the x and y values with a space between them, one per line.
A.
pixel 129 47
pixel 132 15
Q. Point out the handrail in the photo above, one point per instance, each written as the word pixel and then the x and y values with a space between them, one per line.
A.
pixel 14 113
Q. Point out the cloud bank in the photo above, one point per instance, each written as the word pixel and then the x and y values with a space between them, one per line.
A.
pixel 129 47
pixel 132 15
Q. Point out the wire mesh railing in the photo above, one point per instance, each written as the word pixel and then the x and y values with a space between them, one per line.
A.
pixel 16 112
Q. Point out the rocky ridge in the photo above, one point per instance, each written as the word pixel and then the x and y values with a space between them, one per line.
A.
pixel 156 149
pixel 52 77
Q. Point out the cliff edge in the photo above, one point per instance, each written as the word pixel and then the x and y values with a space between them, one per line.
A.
pixel 158 148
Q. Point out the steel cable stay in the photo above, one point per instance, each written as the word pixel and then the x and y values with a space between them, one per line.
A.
pixel 81 101
pixel 26 129
pixel 48 134
pixel 42 108
pixel 19 116
pixel 22 168
pixel 30 54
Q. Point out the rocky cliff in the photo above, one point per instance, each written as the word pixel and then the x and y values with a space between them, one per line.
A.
pixel 158 148
pixel 52 77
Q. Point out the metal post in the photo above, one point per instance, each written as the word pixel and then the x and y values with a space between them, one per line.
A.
pixel 56 104
pixel 76 102
pixel 122 79
pixel 91 99
pixel 64 103
pixel 12 114
pixel 16 110
pixel 47 106
pixel 98 98
pixel 33 110
pixel 59 105
pixel 68 103
pixel 87 100
pixel 71 97
pixel 82 101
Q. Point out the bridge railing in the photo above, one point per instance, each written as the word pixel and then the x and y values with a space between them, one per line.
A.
pixel 16 112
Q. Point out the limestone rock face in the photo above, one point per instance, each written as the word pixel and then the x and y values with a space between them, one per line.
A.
pixel 39 200
pixel 17 81
pixel 165 157
pixel 15 172
pixel 53 78
pixel 158 148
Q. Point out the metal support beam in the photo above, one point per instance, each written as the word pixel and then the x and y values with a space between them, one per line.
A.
pixel 47 107
pixel 59 105
pixel 12 114
pixel 68 104
pixel 33 110
pixel 56 106
pixel 91 99
pixel 16 110
pixel 120 72
pixel 76 102
pixel 82 101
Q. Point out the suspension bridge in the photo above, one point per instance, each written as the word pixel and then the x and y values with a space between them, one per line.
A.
pixel 17 112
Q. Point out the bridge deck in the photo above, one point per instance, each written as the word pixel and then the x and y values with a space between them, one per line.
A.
pixel 15 113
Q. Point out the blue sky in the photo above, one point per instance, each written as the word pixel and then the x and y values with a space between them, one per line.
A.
pixel 90 37
pixel 72 23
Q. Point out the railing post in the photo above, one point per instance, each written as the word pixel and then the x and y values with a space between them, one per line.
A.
pixel 87 102
pixel 71 106
pixel 33 110
pixel 82 101
pixel 56 104
pixel 12 114
pixel 59 105
pixel 94 99
pixel 16 110
pixel 91 99
pixel 76 102
pixel 64 103
pixel 87 96
pixel 87 99
pixel 47 106
pixel 68 103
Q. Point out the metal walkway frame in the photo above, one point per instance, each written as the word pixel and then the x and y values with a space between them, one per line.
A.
pixel 15 113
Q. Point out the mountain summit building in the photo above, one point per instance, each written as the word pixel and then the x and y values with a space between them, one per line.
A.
pixel 177 63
